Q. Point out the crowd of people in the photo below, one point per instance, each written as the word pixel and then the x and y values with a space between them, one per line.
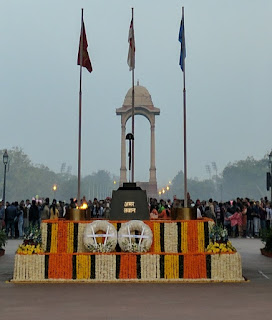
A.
pixel 16 217
pixel 241 217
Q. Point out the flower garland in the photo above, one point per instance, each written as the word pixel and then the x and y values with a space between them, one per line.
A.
pixel 90 236
pixel 195 266
pixel 226 267
pixel 171 267
pixel 184 237
pixel 127 238
pixel 29 267
pixel 60 266
pixel 156 233
pixel 54 238
pixel 70 237
pixel 192 236
pixel 201 236
pixel 83 267
pixel 62 237
pixel 128 267
pixel 105 267
pixel 170 237
pixel 44 235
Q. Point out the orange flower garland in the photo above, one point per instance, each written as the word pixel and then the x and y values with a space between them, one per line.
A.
pixel 195 266
pixel 62 237
pixel 192 237
pixel 60 266
pixel 128 267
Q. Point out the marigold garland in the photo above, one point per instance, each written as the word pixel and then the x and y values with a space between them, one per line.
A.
pixel 201 236
pixel 195 266
pixel 83 267
pixel 156 240
pixel 70 237
pixel 60 266
pixel 62 237
pixel 171 267
pixel 184 237
pixel 54 237
pixel 192 236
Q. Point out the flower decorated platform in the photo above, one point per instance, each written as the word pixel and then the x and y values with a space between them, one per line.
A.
pixel 127 251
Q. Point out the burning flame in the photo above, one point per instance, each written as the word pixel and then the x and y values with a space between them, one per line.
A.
pixel 83 206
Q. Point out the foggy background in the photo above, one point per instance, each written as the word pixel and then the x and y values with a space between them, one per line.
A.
pixel 228 82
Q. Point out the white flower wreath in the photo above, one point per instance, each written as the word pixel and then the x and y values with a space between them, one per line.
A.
pixel 127 238
pixel 89 237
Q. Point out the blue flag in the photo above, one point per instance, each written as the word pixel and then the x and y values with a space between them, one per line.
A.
pixel 182 43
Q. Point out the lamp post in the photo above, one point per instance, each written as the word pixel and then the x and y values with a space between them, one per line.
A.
pixel 5 161
pixel 270 162
pixel 55 189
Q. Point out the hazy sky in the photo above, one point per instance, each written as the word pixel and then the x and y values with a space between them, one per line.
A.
pixel 228 75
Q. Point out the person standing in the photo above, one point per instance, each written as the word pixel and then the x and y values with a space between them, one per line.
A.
pixel 34 214
pixel 45 212
pixel 11 214
pixel 250 211
pixel 21 219
pixel 268 215
pixel 54 212
pixel 26 214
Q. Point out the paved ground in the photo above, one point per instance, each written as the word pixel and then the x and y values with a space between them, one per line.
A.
pixel 251 300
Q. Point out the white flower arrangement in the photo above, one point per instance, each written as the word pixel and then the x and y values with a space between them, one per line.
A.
pixel 90 235
pixel 127 237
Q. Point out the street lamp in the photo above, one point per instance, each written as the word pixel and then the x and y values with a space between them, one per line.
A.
pixel 5 161
pixel 55 189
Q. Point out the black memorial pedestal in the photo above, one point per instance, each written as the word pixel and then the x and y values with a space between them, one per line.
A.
pixel 129 203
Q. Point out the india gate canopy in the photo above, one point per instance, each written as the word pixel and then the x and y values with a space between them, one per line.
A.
pixel 143 106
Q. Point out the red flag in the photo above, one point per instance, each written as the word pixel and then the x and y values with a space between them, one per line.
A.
pixel 86 62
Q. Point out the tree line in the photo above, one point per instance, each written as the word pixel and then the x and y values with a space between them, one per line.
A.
pixel 244 178
pixel 26 180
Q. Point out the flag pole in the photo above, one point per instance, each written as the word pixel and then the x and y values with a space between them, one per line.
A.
pixel 132 115
pixel 80 102
pixel 184 121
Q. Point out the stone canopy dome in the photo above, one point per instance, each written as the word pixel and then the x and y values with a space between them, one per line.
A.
pixel 141 97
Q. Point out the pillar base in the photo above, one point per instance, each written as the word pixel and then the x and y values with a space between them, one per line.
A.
pixel 183 213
